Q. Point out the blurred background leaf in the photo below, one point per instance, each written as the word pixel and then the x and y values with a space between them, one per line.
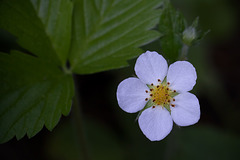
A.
pixel 220 16
pixel 205 142
pixel 62 144
pixel 107 33
pixel 171 26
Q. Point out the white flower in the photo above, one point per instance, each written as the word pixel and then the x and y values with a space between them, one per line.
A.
pixel 161 94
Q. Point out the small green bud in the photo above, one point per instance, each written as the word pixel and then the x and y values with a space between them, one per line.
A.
pixel 189 35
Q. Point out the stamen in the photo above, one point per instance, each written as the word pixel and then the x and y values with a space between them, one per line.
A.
pixel 174 90
pixel 160 95
pixel 146 99
pixel 159 80
pixel 146 91
pixel 173 99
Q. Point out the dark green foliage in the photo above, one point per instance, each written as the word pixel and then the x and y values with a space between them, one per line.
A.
pixel 171 26
pixel 42 27
pixel 94 35
pixel 33 93
pixel 107 33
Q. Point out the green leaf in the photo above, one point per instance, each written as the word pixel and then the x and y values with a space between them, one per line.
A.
pixel 43 27
pixel 108 33
pixel 33 94
pixel 171 25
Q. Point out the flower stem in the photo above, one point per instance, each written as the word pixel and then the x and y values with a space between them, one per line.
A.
pixel 66 70
pixel 77 120
pixel 171 145
pixel 184 52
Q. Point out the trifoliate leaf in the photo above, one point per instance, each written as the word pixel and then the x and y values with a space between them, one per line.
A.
pixel 107 33
pixel 171 26
pixel 43 27
pixel 33 94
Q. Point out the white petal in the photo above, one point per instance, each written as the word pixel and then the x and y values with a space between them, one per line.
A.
pixel 131 95
pixel 155 123
pixel 181 76
pixel 187 109
pixel 151 66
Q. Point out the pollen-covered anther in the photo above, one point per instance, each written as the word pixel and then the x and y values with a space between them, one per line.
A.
pixel 146 91
pixel 160 94
pixel 146 99
pixel 168 83
pixel 173 99
pixel 159 80
pixel 151 84
pixel 173 105
pixel 174 91
pixel 153 106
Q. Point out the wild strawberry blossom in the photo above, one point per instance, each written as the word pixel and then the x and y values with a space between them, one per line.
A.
pixel 160 94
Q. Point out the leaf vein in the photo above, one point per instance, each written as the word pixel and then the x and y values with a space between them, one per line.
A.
pixel 116 38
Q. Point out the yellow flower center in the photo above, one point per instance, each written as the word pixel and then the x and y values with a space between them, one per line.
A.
pixel 160 94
